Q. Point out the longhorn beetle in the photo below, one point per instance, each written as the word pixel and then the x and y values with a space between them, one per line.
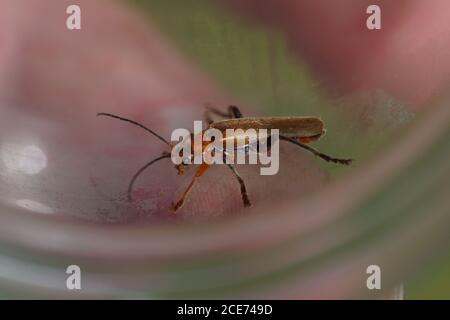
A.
pixel 294 129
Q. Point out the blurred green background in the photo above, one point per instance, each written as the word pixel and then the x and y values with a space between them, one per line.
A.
pixel 254 65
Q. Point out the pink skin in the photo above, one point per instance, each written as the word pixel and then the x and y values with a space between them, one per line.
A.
pixel 408 57
pixel 126 67
pixel 117 60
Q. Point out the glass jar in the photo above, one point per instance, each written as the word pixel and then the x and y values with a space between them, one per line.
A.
pixel 391 212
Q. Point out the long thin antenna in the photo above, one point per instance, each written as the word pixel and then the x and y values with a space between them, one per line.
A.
pixel 135 123
pixel 137 174
pixel 317 152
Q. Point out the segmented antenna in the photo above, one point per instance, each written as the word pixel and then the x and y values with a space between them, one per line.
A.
pixel 136 124
pixel 138 173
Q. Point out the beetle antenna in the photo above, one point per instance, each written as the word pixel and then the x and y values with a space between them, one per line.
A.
pixel 317 152
pixel 137 174
pixel 136 124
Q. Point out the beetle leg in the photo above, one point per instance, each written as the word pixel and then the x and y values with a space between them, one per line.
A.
pixel 317 152
pixel 200 171
pixel 244 193
pixel 211 110
pixel 233 112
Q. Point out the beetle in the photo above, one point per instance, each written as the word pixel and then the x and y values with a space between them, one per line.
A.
pixel 293 129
